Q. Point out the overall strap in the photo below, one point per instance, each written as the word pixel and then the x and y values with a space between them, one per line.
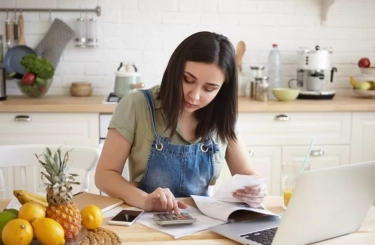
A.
pixel 150 101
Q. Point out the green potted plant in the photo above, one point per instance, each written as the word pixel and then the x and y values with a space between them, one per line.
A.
pixel 38 76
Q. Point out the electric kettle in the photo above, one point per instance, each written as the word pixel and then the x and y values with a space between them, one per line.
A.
pixel 127 81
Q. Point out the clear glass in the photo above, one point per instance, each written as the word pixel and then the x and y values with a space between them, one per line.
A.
pixel 290 172
pixel 81 32
pixel 92 32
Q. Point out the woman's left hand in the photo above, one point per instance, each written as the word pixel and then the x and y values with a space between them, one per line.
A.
pixel 252 195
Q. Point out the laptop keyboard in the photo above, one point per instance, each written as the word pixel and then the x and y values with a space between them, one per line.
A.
pixel 264 237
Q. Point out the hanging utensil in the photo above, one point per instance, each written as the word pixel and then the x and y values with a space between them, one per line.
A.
pixel 21 40
pixel 15 28
pixel 241 47
pixel 8 31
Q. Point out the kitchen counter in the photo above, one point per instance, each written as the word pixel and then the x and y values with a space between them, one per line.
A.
pixel 94 104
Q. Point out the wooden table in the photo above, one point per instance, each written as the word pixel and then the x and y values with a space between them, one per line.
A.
pixel 141 235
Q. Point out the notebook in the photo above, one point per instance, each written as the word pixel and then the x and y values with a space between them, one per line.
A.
pixel 106 203
pixel 326 203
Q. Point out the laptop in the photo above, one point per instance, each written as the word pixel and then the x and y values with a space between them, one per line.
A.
pixel 326 203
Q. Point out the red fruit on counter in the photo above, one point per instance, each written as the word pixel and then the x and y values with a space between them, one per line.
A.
pixel 28 78
pixel 364 63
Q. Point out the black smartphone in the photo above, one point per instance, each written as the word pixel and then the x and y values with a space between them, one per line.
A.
pixel 125 217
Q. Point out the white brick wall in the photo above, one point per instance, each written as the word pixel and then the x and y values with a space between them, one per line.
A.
pixel 147 31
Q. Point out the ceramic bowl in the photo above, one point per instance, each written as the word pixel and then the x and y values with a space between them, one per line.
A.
pixel 285 94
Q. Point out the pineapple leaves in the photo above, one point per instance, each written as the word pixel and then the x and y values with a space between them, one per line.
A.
pixel 55 164
pixel 49 154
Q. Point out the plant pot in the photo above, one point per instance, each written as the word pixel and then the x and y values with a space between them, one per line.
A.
pixel 36 90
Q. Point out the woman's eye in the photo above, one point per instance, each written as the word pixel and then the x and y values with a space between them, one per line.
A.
pixel 188 80
pixel 209 89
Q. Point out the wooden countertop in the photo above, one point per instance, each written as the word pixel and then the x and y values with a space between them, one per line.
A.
pixel 141 235
pixel 94 104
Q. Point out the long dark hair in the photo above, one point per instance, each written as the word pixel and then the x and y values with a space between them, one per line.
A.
pixel 221 114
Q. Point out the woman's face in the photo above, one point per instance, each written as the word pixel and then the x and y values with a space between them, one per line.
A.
pixel 201 83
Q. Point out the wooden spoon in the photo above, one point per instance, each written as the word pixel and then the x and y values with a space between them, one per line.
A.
pixel 21 40
pixel 241 48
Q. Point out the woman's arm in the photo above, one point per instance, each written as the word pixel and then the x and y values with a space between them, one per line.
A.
pixel 238 158
pixel 108 175
pixel 108 178
pixel 239 162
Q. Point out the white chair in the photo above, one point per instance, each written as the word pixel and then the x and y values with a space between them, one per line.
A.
pixel 20 169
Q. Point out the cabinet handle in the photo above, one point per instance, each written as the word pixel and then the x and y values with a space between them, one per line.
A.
pixel 282 117
pixel 251 153
pixel 316 153
pixel 22 118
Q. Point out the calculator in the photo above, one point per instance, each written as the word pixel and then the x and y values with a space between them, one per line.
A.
pixel 173 219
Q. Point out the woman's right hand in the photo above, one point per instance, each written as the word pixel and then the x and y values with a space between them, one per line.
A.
pixel 162 199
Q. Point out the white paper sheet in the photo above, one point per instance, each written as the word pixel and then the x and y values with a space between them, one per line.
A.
pixel 237 181
pixel 221 210
pixel 203 223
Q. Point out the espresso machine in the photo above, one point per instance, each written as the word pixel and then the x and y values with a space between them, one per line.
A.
pixel 314 71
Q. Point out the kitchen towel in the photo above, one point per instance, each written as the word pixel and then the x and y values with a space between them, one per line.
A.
pixel 54 42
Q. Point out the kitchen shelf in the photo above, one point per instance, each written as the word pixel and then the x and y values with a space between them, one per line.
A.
pixel 97 10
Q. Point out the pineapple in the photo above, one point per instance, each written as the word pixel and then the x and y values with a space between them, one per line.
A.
pixel 59 192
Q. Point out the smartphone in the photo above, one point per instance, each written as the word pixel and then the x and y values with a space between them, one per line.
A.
pixel 165 219
pixel 125 217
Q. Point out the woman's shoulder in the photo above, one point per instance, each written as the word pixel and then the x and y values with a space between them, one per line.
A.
pixel 137 98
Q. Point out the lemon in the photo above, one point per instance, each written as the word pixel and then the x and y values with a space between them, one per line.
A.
pixel 5 217
pixel 31 210
pixel 92 217
pixel 17 232
pixel 48 231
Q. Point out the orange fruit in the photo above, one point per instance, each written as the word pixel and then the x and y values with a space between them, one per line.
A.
pixel 48 231
pixel 31 211
pixel 17 232
pixel 92 217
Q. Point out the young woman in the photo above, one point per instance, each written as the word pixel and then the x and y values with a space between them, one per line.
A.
pixel 177 136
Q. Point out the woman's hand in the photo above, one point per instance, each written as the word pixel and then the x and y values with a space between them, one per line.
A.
pixel 253 195
pixel 162 199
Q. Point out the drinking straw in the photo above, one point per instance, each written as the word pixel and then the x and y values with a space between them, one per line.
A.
pixel 307 155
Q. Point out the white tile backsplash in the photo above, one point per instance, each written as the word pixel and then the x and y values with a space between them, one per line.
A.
pixel 147 31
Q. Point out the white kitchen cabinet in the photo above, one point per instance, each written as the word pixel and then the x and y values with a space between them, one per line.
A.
pixel 321 156
pixel 50 128
pixel 363 137
pixel 276 129
pixel 267 163
pixel 276 137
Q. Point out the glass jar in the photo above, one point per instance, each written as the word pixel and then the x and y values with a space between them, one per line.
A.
pixel 92 33
pixel 262 88
pixel 256 72
pixel 81 32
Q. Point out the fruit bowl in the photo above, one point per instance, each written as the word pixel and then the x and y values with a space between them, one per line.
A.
pixel 367 71
pixel 364 93
pixel 38 89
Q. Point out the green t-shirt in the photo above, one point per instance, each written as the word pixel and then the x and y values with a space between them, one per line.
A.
pixel 132 119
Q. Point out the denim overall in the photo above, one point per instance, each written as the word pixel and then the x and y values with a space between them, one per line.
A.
pixel 184 169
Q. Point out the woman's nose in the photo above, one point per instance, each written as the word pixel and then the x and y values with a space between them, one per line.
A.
pixel 194 94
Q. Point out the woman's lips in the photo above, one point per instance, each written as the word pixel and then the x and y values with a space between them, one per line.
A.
pixel 189 105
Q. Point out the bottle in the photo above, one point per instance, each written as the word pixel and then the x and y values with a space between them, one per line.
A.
pixel 274 70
